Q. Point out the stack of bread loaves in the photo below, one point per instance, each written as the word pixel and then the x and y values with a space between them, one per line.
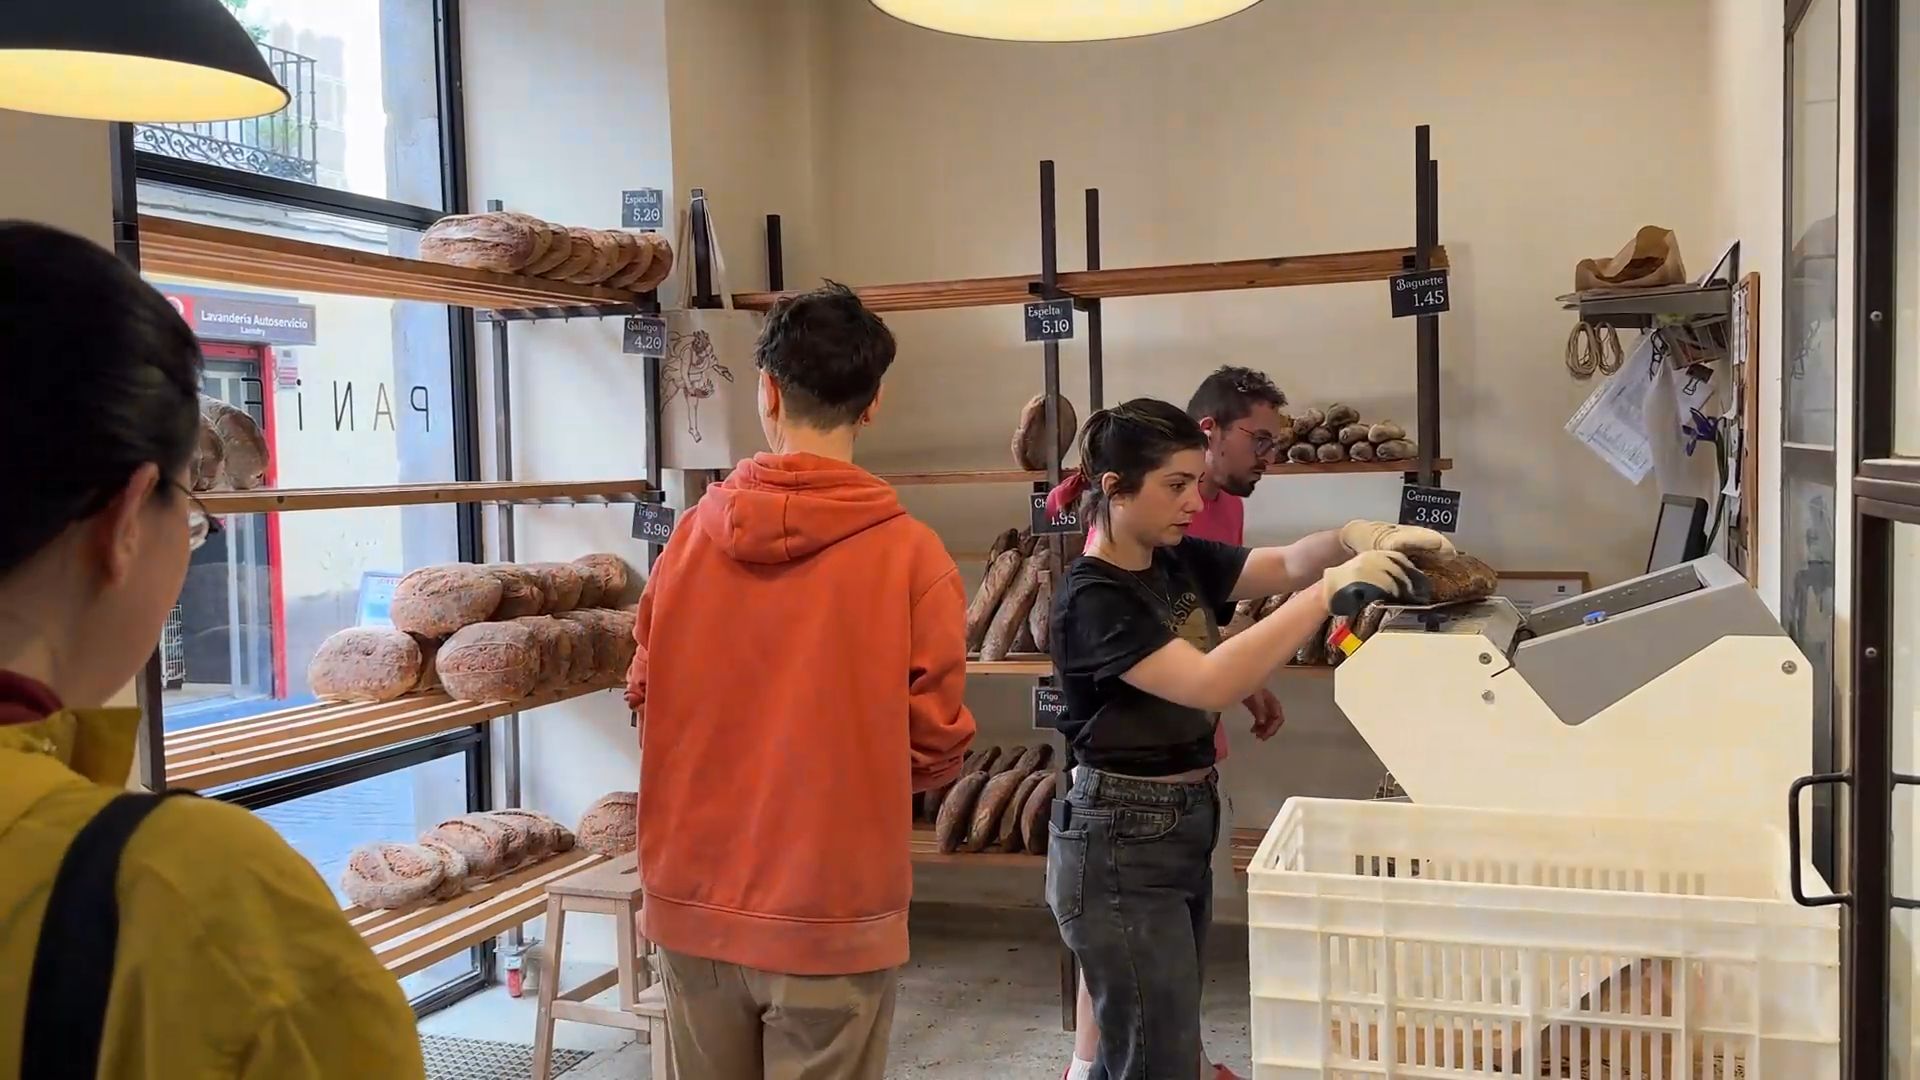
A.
pixel 452 855
pixel 231 454
pixel 511 243
pixel 488 633
pixel 998 802
pixel 1336 434
pixel 1011 610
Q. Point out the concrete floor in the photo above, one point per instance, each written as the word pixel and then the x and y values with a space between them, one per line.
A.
pixel 980 997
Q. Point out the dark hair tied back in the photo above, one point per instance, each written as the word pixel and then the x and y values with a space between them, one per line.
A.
pixel 1131 440
pixel 101 376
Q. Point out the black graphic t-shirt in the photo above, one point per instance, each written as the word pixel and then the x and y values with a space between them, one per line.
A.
pixel 1106 620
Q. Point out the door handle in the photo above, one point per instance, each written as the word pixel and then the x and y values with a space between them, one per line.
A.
pixel 1794 881
pixel 1898 901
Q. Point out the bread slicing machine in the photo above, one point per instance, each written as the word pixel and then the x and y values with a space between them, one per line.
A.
pixel 1675 694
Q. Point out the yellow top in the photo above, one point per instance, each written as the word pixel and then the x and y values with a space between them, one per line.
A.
pixel 233 959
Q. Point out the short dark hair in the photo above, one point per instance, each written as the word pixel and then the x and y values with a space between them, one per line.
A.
pixel 827 353
pixel 1228 394
pixel 101 376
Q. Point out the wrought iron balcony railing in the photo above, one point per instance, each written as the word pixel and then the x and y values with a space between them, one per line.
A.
pixel 282 145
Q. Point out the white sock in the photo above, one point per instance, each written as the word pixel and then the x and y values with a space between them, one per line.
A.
pixel 1079 1070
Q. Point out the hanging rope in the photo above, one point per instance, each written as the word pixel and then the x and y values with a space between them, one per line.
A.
pixel 1593 348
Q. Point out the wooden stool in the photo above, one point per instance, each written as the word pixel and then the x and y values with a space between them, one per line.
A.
pixel 609 889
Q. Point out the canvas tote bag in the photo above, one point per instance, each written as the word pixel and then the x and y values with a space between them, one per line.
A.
pixel 709 402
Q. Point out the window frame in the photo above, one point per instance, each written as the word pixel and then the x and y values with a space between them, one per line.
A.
pixel 130 167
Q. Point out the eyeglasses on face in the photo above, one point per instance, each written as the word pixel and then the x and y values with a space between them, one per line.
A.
pixel 1264 445
pixel 201 524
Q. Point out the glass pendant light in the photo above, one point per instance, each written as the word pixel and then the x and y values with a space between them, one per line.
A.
pixel 141 61
pixel 1060 20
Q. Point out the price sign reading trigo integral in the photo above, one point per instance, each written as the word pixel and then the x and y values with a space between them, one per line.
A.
pixel 1049 707
pixel 642 208
pixel 644 335
pixel 1430 507
pixel 1423 292
pixel 1045 524
pixel 653 523
pixel 1049 320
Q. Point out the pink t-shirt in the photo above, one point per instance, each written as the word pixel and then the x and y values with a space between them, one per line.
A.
pixel 1222 518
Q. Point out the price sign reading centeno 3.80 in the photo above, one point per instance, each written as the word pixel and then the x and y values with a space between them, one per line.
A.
pixel 1430 507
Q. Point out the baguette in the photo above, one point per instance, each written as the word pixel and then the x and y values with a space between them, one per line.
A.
pixel 1040 619
pixel 1004 542
pixel 1023 643
pixel 1034 813
pixel 993 589
pixel 995 796
pixel 956 811
pixel 975 761
pixel 1013 610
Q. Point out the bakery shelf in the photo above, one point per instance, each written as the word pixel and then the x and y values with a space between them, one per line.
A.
pixel 236 750
pixel 1338 468
pixel 1242 843
pixel 407 940
pixel 1279 272
pixel 169 246
pixel 280 500
pixel 1029 664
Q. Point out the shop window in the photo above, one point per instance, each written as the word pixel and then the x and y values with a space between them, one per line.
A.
pixel 350 392
pixel 1810 348
pixel 364 118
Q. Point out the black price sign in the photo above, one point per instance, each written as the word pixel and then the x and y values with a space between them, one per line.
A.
pixel 644 335
pixel 1430 507
pixel 642 208
pixel 1049 320
pixel 1045 524
pixel 1049 707
pixel 1423 292
pixel 653 522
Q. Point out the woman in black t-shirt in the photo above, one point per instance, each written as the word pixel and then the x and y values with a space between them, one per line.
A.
pixel 1136 644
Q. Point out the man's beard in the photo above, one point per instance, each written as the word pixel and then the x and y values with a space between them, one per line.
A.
pixel 1241 486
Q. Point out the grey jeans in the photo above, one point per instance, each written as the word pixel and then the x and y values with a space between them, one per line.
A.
pixel 1130 883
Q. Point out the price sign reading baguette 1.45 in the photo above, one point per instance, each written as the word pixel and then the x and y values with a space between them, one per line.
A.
pixel 1049 320
pixel 644 335
pixel 1045 524
pixel 1423 292
pixel 1430 507
pixel 642 208
pixel 1049 708
pixel 653 522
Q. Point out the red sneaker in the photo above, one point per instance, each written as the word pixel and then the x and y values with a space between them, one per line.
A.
pixel 1221 1072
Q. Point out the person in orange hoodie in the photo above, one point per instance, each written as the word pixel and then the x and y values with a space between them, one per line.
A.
pixel 800 675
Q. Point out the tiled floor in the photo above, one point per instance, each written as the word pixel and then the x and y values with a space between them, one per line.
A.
pixel 980 998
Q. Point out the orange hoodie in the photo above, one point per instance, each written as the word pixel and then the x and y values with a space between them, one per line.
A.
pixel 802 666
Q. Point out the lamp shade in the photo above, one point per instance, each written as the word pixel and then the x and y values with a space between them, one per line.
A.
pixel 1060 20
pixel 141 61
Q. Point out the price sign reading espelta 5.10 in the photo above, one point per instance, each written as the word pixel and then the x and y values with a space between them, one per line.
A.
pixel 1049 320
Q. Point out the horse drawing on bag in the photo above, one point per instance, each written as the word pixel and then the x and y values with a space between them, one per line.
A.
pixel 689 372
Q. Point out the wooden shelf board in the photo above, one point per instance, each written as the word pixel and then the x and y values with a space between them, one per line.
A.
pixel 236 750
pixel 1028 664
pixel 169 246
pixel 1279 272
pixel 1242 843
pixel 409 939
pixel 282 500
pixel 926 850
pixel 1320 468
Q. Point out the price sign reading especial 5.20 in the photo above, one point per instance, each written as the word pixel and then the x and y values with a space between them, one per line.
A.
pixel 1430 507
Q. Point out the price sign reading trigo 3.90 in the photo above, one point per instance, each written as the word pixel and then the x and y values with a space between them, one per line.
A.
pixel 1049 320
pixel 653 523
pixel 1430 507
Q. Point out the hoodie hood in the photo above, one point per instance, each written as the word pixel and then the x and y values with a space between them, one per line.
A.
pixel 776 508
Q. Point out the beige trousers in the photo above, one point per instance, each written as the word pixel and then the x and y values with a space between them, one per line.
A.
pixel 727 1022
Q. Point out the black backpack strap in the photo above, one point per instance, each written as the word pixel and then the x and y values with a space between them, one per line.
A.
pixel 73 965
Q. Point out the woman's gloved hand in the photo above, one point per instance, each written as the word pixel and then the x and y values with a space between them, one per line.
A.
pixel 1370 576
pixel 1362 536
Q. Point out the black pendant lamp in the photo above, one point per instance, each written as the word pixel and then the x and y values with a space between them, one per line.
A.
pixel 140 61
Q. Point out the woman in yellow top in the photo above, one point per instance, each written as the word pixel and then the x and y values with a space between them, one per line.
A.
pixel 142 937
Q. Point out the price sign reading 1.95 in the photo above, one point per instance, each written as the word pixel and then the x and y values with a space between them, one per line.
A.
pixel 1045 524
pixel 653 523
pixel 1049 320
pixel 1430 507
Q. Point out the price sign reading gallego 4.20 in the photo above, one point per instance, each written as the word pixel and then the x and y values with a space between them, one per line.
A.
pixel 1045 524
pixel 653 522
pixel 1430 507
pixel 1049 320
pixel 644 335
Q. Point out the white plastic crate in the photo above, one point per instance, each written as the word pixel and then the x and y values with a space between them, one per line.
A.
pixel 1396 940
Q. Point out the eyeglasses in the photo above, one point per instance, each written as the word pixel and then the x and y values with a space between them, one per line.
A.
pixel 1263 445
pixel 201 524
